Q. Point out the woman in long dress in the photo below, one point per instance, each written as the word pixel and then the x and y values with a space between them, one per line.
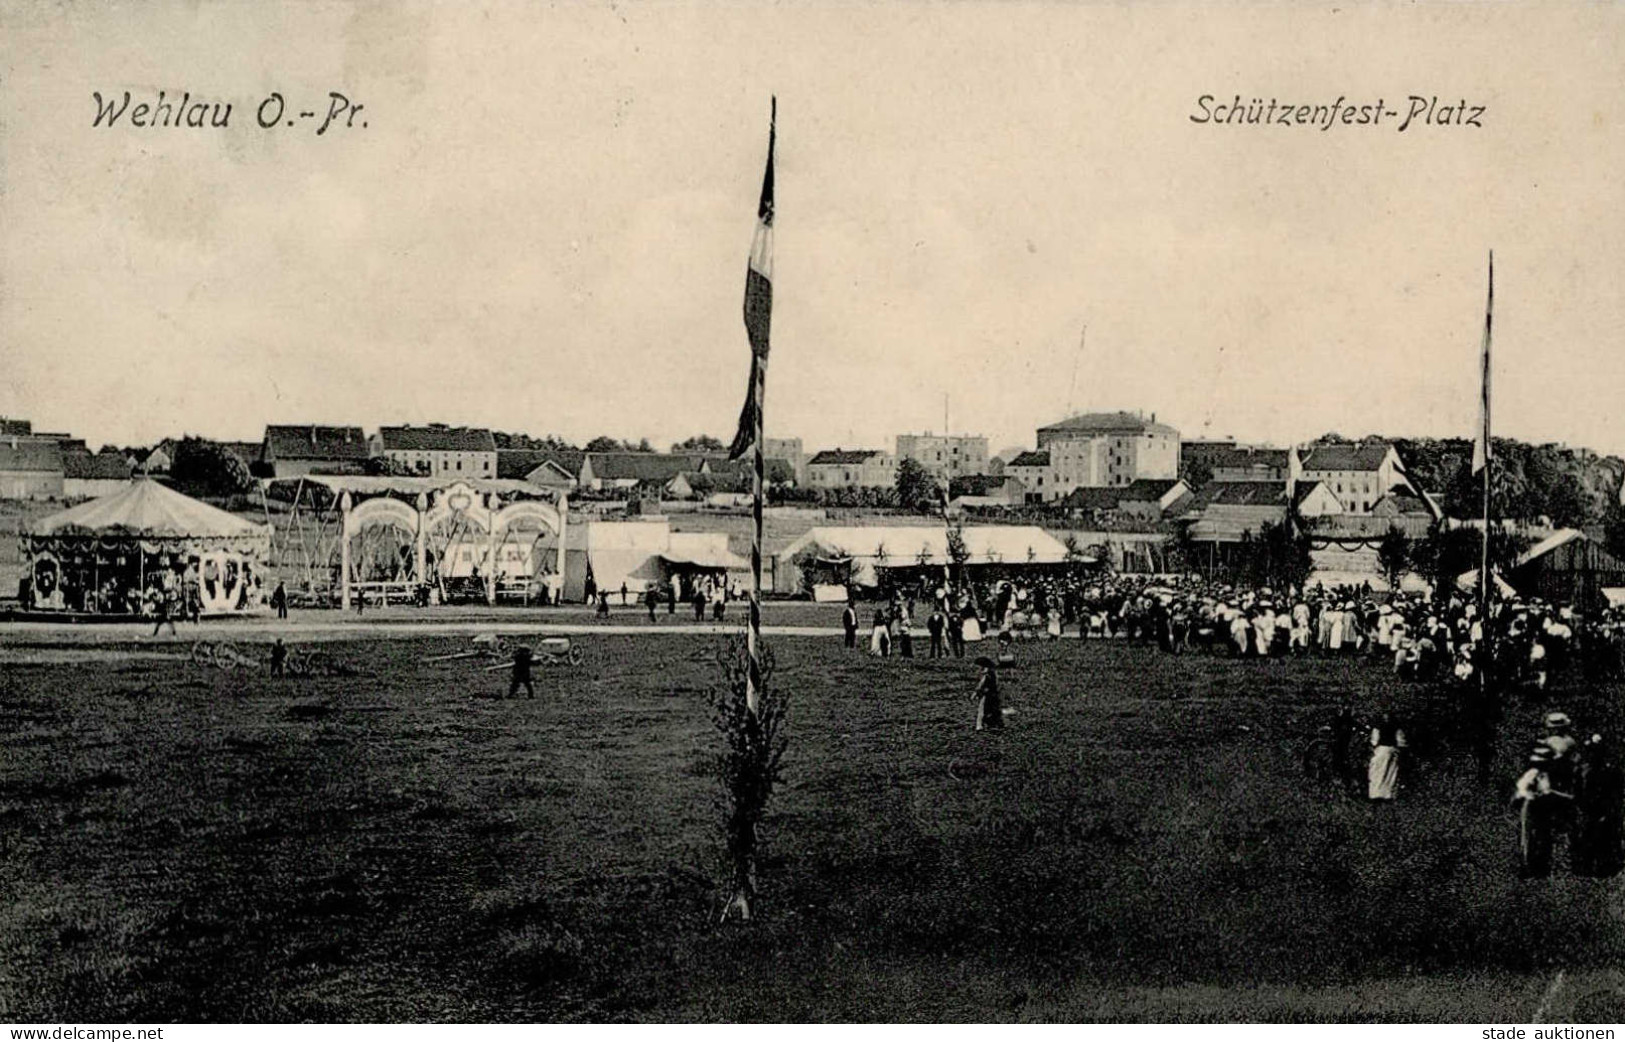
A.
pixel 880 637
pixel 1387 739
pixel 970 627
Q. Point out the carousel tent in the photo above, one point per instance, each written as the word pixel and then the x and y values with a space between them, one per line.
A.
pixel 869 548
pixel 147 510
pixel 130 539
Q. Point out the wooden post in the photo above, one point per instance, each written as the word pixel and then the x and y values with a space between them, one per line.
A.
pixel 344 551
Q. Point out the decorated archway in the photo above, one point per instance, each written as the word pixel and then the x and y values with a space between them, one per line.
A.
pixel 422 538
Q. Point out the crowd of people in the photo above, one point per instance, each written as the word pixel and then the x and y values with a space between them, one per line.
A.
pixel 1424 639
pixel 1571 790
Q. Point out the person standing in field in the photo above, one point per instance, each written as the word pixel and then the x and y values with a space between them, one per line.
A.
pixel 935 625
pixel 1539 804
pixel 279 600
pixel 521 673
pixel 880 637
pixel 1598 847
pixel 279 658
pixel 989 709
pixel 849 623
pixel 1341 737
pixel 168 605
pixel 1387 739
pixel 651 598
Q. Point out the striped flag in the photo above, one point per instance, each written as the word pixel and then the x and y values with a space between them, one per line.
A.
pixel 1481 441
pixel 758 306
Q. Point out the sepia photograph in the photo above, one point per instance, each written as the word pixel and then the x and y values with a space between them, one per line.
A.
pixel 703 512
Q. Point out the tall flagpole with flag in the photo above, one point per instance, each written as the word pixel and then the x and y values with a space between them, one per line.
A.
pixel 758 322
pixel 1482 451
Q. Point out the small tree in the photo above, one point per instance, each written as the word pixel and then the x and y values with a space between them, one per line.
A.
pixel 916 489
pixel 1197 473
pixel 207 468
pixel 749 765
pixel 958 551
pixel 806 563
pixel 1394 556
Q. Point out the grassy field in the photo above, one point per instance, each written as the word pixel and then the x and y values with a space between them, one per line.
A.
pixel 179 842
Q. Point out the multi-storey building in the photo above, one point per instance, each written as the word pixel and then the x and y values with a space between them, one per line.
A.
pixel 1359 475
pixel 789 450
pixel 945 456
pixel 1097 450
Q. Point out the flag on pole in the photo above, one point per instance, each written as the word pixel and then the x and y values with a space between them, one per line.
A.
pixel 1481 442
pixel 758 305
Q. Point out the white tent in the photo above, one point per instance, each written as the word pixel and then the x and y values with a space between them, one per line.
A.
pixel 870 548
pixel 123 542
pixel 641 554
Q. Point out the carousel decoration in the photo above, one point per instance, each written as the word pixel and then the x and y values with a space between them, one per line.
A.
pixel 387 538
pixel 122 553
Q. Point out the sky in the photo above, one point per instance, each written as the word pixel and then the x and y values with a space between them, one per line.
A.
pixel 544 223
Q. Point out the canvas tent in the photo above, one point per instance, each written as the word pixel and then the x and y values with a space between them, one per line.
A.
pixel 643 554
pixel 864 552
pixel 92 556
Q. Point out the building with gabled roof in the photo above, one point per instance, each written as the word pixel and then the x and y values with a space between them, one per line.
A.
pixel 1225 511
pixel 1229 461
pixel 1358 474
pixel 438 450
pixel 852 468
pixel 545 468
pixel 85 476
pixel 30 468
pixel 610 470
pixel 295 451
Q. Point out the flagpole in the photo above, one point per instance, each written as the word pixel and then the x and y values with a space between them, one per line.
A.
pixel 753 690
pixel 758 391
pixel 1484 559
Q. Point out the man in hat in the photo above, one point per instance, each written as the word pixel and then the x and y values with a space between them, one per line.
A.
pixel 849 623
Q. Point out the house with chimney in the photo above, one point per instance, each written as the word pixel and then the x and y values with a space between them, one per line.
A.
pixel 295 451
pixel 438 450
